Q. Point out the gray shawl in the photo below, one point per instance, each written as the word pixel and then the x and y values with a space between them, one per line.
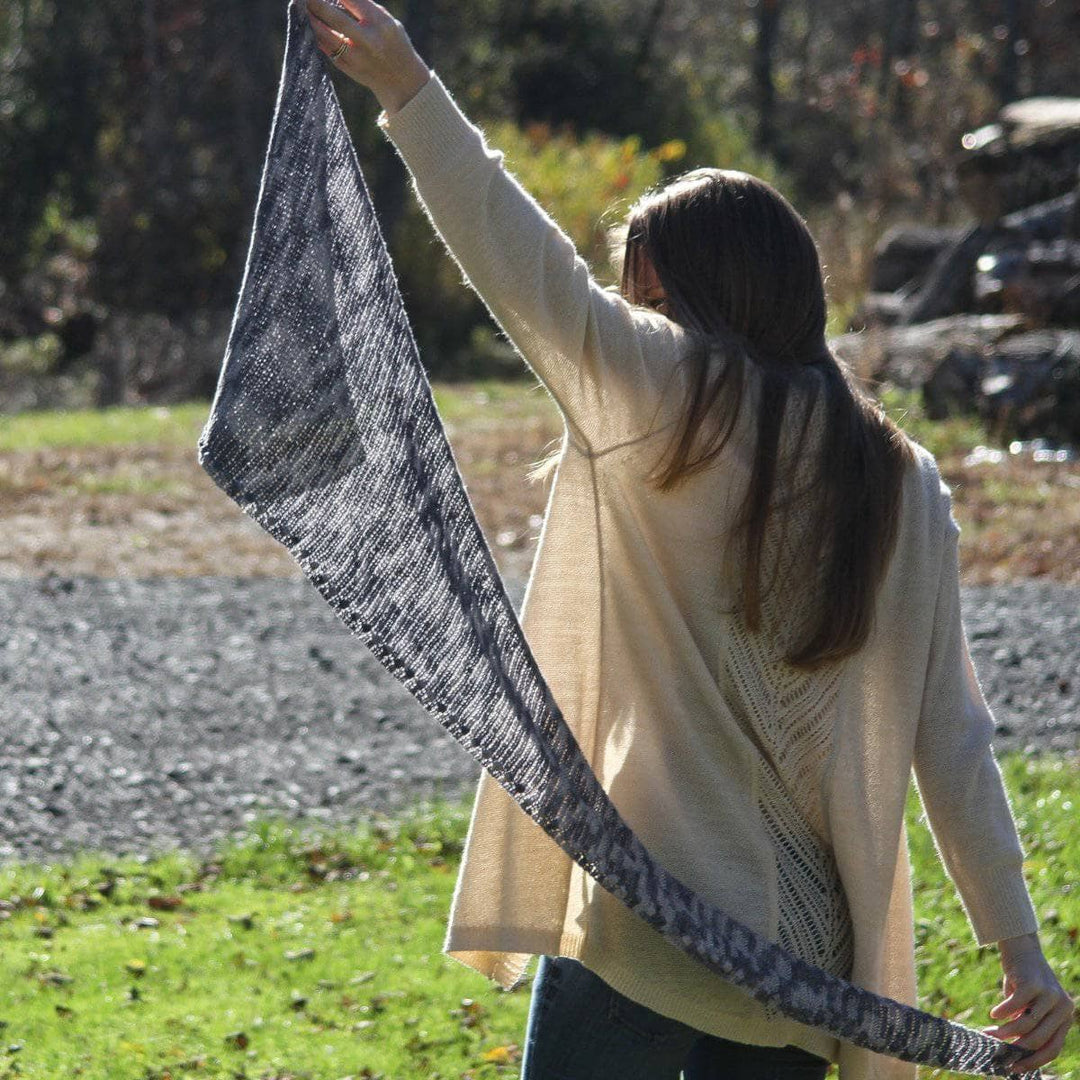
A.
pixel 324 430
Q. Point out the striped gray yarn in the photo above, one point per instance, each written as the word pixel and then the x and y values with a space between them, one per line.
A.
pixel 324 430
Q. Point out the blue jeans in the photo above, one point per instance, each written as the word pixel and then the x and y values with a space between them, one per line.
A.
pixel 580 1028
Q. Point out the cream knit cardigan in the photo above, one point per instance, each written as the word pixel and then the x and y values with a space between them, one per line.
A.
pixel 671 701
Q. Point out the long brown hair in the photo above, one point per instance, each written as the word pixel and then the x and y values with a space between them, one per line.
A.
pixel 741 271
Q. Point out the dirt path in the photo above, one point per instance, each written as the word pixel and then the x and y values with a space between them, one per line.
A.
pixel 151 511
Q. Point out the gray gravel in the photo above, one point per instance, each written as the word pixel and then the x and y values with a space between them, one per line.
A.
pixel 139 715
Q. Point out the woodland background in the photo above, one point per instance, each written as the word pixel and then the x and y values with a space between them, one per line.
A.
pixel 132 137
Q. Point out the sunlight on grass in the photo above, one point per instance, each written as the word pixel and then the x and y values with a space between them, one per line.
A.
pixel 956 435
pixel 316 951
pixel 461 403
pixel 957 978
pixel 493 400
pixel 1019 518
pixel 469 404
pixel 465 404
pixel 122 426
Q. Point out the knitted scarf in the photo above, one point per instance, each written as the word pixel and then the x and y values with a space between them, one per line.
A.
pixel 324 430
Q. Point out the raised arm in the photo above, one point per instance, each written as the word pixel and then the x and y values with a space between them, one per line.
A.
pixel 957 775
pixel 605 363
pixel 611 368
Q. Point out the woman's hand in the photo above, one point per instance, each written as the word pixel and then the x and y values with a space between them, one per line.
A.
pixel 1043 1012
pixel 378 53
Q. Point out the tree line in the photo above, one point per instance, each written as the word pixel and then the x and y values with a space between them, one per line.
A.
pixel 132 134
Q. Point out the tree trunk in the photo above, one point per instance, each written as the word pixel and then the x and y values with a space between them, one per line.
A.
pixel 901 44
pixel 152 112
pixel 1008 78
pixel 648 35
pixel 768 32
pixel 806 48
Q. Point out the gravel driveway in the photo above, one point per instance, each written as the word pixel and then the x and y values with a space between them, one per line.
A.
pixel 141 714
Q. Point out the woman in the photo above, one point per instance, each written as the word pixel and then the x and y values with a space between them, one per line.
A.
pixel 745 600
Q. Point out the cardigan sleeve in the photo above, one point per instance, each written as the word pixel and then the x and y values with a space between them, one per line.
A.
pixel 957 775
pixel 606 363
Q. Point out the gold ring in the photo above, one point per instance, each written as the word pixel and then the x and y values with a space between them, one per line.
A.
pixel 341 50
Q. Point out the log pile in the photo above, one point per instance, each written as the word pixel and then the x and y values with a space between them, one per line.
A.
pixel 986 318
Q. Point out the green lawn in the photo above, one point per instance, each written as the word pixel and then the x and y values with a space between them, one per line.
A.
pixel 465 404
pixel 316 954
pixel 180 425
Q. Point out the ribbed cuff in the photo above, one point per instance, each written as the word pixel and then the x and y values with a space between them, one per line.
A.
pixel 429 130
pixel 1005 909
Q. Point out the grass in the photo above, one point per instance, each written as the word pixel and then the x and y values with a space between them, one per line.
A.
pixel 956 436
pixel 119 493
pixel 470 405
pixel 1018 519
pixel 180 425
pixel 83 485
pixel 316 953
pixel 289 954
pixel 175 425
pixel 956 978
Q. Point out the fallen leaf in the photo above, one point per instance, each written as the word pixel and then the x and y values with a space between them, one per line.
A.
pixel 502 1055
pixel 165 903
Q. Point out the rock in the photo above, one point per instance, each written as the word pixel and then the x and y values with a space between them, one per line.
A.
pixel 907 356
pixel 878 309
pixel 255 751
pixel 1039 279
pixel 989 327
pixel 1045 220
pixel 1030 154
pixel 1024 385
pixel 948 287
pixel 905 254
pixel 1031 386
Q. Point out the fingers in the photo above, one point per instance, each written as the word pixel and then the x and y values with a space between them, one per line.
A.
pixel 1026 1022
pixel 379 54
pixel 363 10
pixel 1039 1033
pixel 1015 998
pixel 1043 1035
pixel 334 17
pixel 1018 1000
pixel 328 40
pixel 1046 1052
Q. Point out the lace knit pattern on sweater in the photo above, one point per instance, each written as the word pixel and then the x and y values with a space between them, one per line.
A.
pixel 789 713
pixel 324 430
